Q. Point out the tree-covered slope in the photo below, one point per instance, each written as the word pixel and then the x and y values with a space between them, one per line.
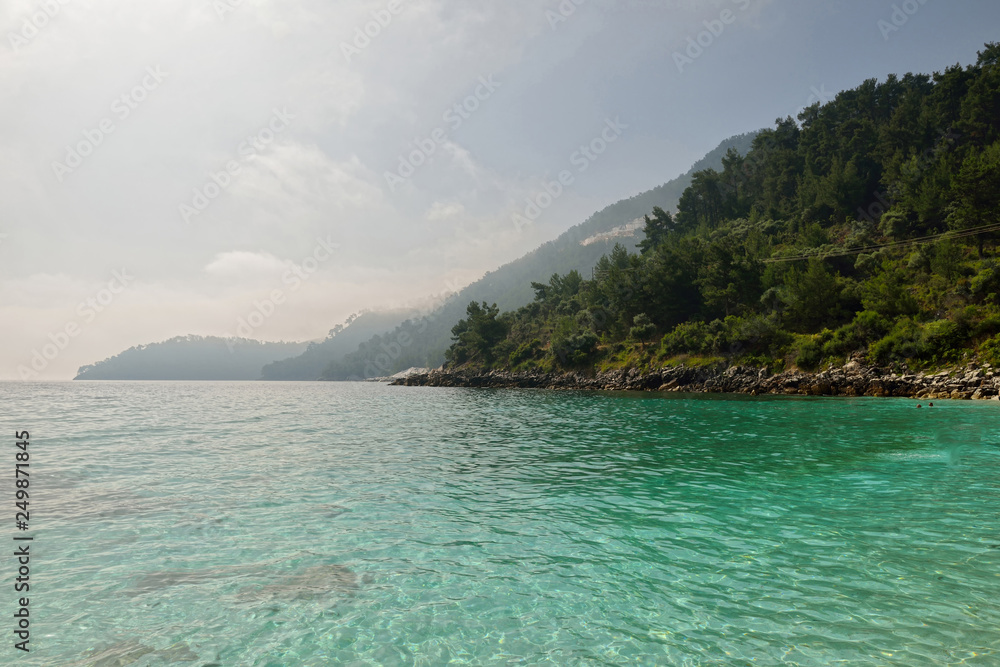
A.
pixel 866 227
pixel 191 358
pixel 342 339
pixel 423 341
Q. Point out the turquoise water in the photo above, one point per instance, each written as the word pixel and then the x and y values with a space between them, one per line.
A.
pixel 362 524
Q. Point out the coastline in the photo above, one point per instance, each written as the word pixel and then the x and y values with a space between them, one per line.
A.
pixel 853 379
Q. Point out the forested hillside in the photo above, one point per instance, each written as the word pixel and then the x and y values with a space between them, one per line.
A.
pixel 423 341
pixel 867 226
pixel 191 358
pixel 342 339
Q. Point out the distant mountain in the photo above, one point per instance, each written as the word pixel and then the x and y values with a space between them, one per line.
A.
pixel 191 358
pixel 422 341
pixel 343 338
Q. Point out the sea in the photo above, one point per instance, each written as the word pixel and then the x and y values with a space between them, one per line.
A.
pixel 286 524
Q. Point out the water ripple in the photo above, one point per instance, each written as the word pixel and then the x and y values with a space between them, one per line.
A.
pixel 316 524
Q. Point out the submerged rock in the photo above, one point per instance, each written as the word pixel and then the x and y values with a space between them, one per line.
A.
pixel 313 582
pixel 155 581
pixel 179 652
pixel 131 651
pixel 117 655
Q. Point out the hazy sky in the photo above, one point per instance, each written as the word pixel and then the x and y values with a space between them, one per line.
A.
pixel 171 167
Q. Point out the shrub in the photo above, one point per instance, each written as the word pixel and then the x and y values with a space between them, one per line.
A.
pixel 643 329
pixel 989 325
pixel 888 293
pixel 525 352
pixel 895 222
pixel 757 334
pixel 810 354
pixel 575 349
pixel 867 326
pixel 942 338
pixel 989 351
pixel 946 259
pixel 985 282
pixel 688 338
pixel 904 341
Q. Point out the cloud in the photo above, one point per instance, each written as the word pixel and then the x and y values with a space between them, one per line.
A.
pixel 300 179
pixel 444 211
pixel 243 264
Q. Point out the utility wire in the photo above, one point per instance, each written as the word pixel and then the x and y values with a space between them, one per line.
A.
pixel 972 231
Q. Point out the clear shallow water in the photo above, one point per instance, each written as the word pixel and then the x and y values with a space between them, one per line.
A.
pixel 319 524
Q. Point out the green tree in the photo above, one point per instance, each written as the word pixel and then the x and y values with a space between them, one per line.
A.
pixel 888 293
pixel 643 329
pixel 813 297
pixel 728 279
pixel 703 204
pixel 976 193
pixel 665 283
pixel 477 336
pixel 656 229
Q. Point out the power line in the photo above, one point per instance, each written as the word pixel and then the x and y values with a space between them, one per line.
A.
pixel 972 231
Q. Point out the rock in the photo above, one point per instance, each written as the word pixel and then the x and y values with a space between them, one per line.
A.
pixel 854 379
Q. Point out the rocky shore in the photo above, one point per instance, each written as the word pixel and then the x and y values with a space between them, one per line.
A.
pixel 853 379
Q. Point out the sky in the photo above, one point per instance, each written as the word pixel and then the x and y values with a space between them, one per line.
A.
pixel 266 168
